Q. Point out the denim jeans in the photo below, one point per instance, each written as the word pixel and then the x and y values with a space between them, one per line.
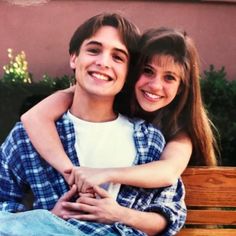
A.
pixel 35 223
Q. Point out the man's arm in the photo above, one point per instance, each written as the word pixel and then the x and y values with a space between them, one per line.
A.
pixel 11 183
pixel 104 209
pixel 153 210
pixel 169 202
pixel 151 223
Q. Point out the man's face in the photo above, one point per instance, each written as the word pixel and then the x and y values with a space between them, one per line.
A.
pixel 102 64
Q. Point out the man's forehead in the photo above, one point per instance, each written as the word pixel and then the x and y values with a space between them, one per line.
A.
pixel 103 35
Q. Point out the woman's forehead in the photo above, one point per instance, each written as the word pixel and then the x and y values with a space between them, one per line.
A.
pixel 163 60
pixel 168 63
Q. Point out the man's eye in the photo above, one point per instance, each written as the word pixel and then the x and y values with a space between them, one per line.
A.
pixel 93 50
pixel 118 58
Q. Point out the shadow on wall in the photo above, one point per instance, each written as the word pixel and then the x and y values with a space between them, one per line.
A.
pixel 26 2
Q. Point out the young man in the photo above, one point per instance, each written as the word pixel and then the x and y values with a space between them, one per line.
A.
pixel 101 52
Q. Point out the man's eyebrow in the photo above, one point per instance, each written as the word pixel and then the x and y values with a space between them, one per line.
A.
pixel 100 44
pixel 93 42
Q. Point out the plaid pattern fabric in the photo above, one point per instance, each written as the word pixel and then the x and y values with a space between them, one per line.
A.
pixel 21 167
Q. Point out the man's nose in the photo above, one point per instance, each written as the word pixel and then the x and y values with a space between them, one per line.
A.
pixel 104 61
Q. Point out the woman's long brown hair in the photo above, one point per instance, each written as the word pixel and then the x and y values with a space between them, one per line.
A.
pixel 186 113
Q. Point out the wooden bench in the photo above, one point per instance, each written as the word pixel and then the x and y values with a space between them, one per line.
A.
pixel 211 201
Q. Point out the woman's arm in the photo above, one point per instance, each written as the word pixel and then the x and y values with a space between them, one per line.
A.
pixel 164 172
pixel 39 124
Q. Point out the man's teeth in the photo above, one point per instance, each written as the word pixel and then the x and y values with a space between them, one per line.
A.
pixel 153 96
pixel 101 77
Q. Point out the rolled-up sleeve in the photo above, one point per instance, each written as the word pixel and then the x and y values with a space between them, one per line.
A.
pixel 169 202
pixel 11 183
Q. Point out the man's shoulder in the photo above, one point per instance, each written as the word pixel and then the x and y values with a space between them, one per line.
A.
pixel 144 128
pixel 65 127
pixel 16 142
pixel 18 131
pixel 18 134
pixel 149 141
pixel 63 121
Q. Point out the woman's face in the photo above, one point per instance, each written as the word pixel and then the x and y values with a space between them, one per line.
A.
pixel 158 83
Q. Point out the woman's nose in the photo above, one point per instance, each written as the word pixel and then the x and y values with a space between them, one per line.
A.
pixel 156 83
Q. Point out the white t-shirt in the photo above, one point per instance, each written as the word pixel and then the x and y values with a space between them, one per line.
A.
pixel 105 144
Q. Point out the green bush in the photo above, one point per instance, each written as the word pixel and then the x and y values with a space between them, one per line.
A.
pixel 18 92
pixel 57 82
pixel 17 97
pixel 219 95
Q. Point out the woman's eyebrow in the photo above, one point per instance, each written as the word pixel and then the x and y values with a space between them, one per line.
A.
pixel 150 66
pixel 172 73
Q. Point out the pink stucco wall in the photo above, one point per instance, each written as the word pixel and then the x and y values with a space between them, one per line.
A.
pixel 43 31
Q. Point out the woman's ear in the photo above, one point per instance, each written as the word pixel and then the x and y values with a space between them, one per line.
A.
pixel 179 90
pixel 73 58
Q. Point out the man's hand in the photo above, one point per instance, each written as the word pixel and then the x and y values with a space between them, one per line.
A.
pixel 102 209
pixel 61 209
pixel 86 178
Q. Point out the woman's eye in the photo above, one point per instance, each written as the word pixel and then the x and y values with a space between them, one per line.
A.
pixel 169 77
pixel 148 71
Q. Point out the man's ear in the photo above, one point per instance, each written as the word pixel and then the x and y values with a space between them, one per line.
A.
pixel 73 58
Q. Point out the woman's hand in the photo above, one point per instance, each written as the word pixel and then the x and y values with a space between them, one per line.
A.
pixel 86 178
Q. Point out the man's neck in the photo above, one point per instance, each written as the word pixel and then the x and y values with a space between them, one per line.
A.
pixel 92 109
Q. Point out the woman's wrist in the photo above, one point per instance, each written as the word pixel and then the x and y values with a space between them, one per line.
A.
pixel 112 175
pixel 65 166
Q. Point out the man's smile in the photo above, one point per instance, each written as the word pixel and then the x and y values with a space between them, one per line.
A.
pixel 100 76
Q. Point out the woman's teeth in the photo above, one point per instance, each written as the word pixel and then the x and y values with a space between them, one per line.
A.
pixel 151 95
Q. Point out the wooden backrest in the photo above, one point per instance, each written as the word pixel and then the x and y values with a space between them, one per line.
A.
pixel 211 201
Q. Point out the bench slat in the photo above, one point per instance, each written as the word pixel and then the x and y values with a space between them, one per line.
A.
pixel 207 232
pixel 211 201
pixel 214 187
pixel 217 217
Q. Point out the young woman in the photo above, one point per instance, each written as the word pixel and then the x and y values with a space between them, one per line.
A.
pixel 166 92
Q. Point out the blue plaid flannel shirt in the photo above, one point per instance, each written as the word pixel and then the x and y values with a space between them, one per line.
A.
pixel 22 168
